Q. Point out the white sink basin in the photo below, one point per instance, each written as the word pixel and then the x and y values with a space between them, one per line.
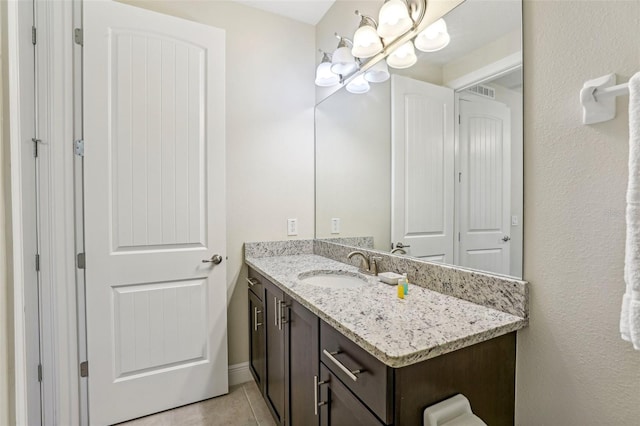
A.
pixel 333 279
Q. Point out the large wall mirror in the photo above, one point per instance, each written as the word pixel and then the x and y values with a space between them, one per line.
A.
pixel 429 163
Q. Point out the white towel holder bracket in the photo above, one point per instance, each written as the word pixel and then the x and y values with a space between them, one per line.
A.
pixel 598 98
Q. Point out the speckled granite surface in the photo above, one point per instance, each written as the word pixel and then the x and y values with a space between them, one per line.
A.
pixel 364 242
pixel 278 248
pixel 502 293
pixel 398 332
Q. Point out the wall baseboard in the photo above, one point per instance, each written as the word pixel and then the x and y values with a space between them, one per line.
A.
pixel 239 373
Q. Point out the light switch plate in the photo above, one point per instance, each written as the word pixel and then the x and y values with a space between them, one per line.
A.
pixel 292 227
pixel 514 221
pixel 335 225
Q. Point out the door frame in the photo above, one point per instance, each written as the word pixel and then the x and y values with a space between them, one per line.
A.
pixel 61 381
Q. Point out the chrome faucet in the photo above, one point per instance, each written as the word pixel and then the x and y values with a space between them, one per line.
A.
pixel 368 265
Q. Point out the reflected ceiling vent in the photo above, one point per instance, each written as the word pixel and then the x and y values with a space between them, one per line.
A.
pixel 484 91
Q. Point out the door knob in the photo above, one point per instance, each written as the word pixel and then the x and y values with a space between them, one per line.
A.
pixel 216 259
pixel 506 238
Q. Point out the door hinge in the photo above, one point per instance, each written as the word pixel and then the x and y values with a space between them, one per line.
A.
pixel 80 260
pixel 37 262
pixel 39 372
pixel 77 36
pixel 459 120
pixel 459 177
pixel 35 146
pixel 458 237
pixel 34 35
pixel 84 369
pixel 78 147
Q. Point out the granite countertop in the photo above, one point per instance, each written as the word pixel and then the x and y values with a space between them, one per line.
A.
pixel 398 332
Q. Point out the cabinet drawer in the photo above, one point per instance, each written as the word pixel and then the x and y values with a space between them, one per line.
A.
pixel 255 282
pixel 339 407
pixel 373 384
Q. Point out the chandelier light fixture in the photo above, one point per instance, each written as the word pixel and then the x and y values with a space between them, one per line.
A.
pixel 435 37
pixel 378 73
pixel 324 76
pixel 394 19
pixel 342 61
pixel 403 57
pixel 366 42
pixel 358 85
pixel 399 28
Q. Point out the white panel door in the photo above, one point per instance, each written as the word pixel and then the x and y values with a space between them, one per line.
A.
pixel 155 209
pixel 423 167
pixel 485 185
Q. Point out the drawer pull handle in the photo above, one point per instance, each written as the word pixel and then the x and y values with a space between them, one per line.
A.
pixel 256 324
pixel 275 311
pixel 252 282
pixel 351 373
pixel 283 317
pixel 316 386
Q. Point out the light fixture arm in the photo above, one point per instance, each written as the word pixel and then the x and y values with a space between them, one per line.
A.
pixel 366 20
pixel 326 56
pixel 344 42
pixel 417 10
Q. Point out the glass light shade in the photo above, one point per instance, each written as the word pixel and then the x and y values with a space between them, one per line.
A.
pixel 435 37
pixel 358 85
pixel 378 73
pixel 366 42
pixel 394 19
pixel 325 77
pixel 343 62
pixel 403 57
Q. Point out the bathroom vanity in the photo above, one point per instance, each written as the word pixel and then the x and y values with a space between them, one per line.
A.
pixel 348 356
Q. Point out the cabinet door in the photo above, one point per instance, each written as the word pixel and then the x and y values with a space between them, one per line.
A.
pixel 302 363
pixel 274 390
pixel 340 407
pixel 256 339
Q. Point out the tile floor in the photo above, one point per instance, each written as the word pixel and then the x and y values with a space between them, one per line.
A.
pixel 242 406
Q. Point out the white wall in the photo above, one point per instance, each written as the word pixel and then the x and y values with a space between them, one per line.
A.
pixel 269 107
pixel 353 165
pixel 572 366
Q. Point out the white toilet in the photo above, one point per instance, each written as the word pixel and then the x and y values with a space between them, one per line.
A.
pixel 455 411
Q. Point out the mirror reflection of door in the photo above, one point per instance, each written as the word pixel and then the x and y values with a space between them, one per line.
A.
pixel 472 228
pixel 484 185
pixel 422 139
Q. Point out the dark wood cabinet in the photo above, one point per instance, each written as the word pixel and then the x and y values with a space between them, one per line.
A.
pixel 339 406
pixel 293 349
pixel 373 381
pixel 274 389
pixel 290 347
pixel 302 363
pixel 257 348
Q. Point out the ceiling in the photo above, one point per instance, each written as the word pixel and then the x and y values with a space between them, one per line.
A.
pixel 307 11
pixel 475 23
